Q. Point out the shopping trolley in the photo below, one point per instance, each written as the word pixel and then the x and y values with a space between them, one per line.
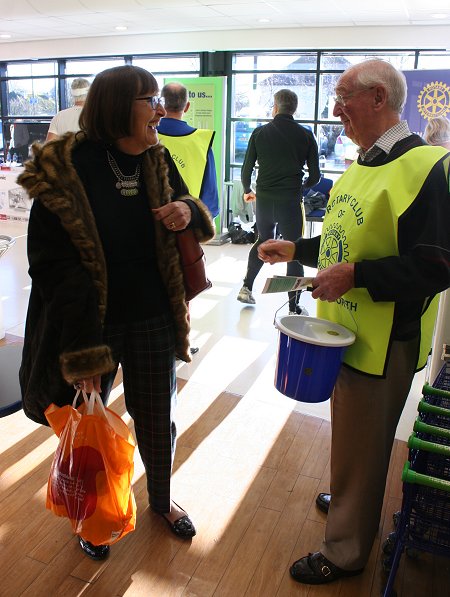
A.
pixel 424 521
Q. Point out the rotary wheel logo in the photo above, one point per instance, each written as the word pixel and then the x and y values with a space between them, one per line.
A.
pixel 434 100
pixel 333 248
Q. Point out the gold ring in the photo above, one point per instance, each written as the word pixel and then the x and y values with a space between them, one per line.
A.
pixel 172 225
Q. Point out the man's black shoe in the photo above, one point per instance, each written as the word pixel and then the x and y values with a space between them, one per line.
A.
pixel 96 552
pixel 194 349
pixel 323 502
pixel 315 569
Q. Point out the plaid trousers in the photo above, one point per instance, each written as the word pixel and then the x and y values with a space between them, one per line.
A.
pixel 146 351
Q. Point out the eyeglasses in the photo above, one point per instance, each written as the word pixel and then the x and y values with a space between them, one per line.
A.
pixel 153 100
pixel 342 99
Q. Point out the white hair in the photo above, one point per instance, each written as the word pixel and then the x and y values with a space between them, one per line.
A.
pixel 373 72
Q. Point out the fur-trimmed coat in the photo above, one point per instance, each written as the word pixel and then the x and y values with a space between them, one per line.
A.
pixel 63 334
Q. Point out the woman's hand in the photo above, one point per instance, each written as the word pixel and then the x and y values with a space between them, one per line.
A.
pixel 174 216
pixel 89 384
pixel 276 251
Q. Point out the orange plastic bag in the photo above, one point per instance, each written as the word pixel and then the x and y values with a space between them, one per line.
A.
pixel 90 477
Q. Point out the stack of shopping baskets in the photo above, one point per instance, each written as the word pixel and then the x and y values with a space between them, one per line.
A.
pixel 424 520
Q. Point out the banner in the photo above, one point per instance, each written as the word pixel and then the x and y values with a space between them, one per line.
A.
pixel 428 97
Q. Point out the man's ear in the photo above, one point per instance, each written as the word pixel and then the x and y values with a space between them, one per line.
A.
pixel 380 97
pixel 187 107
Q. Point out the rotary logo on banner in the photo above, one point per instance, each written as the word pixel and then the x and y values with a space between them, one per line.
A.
pixel 428 97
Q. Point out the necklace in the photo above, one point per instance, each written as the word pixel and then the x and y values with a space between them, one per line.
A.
pixel 127 185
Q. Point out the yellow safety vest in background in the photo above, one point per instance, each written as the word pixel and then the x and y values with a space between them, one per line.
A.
pixel 190 154
pixel 361 222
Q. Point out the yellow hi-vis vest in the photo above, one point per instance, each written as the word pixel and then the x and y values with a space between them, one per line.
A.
pixel 190 154
pixel 361 222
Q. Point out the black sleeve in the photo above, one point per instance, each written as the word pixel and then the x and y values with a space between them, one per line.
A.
pixel 307 251
pixel 312 161
pixel 422 268
pixel 249 164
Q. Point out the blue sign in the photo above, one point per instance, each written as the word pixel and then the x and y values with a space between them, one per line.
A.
pixel 428 97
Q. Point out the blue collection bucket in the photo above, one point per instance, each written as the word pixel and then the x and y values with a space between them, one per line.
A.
pixel 310 354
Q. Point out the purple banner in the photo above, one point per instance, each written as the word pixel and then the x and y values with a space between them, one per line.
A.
pixel 428 97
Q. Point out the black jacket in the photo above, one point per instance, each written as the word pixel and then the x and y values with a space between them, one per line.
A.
pixel 63 334
pixel 282 148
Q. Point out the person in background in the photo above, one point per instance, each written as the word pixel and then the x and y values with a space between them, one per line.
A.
pixel 20 138
pixel 68 120
pixel 190 148
pixel 437 132
pixel 282 148
pixel 383 258
pixel 107 285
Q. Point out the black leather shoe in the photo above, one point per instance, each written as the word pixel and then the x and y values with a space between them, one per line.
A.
pixel 194 349
pixel 323 502
pixel 315 569
pixel 96 552
pixel 183 527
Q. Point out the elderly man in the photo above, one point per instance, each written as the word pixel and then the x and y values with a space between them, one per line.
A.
pixel 282 148
pixel 190 148
pixel 383 257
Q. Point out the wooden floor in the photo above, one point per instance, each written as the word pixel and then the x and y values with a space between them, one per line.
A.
pixel 246 470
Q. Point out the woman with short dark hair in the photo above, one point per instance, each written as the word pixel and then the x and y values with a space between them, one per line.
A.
pixel 107 286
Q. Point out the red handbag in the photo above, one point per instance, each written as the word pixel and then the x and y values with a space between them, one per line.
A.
pixel 192 259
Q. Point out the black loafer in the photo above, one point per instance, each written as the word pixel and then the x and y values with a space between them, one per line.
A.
pixel 183 527
pixel 315 569
pixel 323 502
pixel 96 552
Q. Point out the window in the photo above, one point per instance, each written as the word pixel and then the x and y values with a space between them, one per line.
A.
pixel 272 61
pixel 35 90
pixel 339 60
pixel 253 93
pixel 433 60
pixel 170 66
pixel 31 97
pixel 91 67
pixel 256 76
pixel 34 68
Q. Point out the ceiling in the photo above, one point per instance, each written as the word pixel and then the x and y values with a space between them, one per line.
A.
pixel 32 20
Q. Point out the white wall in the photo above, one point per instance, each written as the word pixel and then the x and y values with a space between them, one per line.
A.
pixel 408 37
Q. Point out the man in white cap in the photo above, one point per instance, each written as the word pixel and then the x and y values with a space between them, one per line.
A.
pixel 67 120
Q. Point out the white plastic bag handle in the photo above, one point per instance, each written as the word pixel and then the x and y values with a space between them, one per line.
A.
pixel 93 399
pixel 86 401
